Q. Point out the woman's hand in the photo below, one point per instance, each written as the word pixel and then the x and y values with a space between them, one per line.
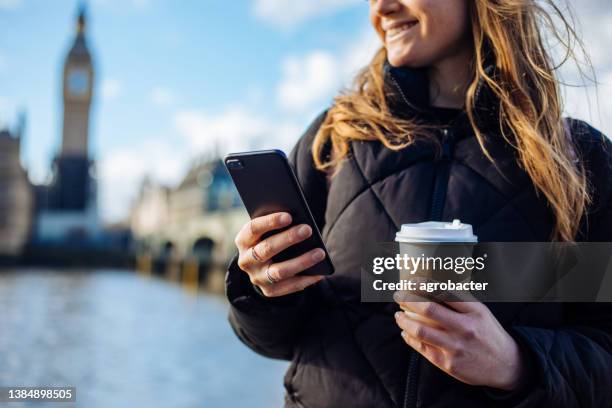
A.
pixel 275 279
pixel 464 339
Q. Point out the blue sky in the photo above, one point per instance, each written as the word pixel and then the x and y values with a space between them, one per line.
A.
pixel 179 79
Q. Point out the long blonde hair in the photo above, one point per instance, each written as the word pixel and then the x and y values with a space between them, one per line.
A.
pixel 530 104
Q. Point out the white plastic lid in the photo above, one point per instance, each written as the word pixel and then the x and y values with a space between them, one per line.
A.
pixel 434 231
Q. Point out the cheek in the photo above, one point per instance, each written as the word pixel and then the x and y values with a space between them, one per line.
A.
pixel 442 31
pixel 447 24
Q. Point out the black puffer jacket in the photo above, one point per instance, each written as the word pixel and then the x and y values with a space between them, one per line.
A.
pixel 346 353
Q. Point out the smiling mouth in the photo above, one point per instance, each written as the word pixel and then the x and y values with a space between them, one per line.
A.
pixel 400 30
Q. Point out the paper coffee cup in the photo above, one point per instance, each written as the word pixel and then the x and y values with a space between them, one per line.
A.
pixel 440 241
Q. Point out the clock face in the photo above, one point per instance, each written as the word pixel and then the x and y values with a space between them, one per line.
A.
pixel 78 81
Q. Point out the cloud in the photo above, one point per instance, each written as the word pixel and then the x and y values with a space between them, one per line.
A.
pixel 590 104
pixel 307 79
pixel 286 14
pixel 583 100
pixel 312 79
pixel 230 129
pixel 121 172
pixel 4 104
pixel 162 96
pixel 359 53
pixel 605 95
pixel 111 88
pixel 10 4
pixel 233 129
pixel 595 25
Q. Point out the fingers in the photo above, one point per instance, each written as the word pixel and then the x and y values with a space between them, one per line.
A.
pixel 287 269
pixel 283 273
pixel 425 333
pixel 271 246
pixel 256 256
pixel 466 306
pixel 430 352
pixel 290 285
pixel 419 318
pixel 447 318
pixel 252 231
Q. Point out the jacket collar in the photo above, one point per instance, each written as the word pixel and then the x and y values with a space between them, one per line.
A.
pixel 408 97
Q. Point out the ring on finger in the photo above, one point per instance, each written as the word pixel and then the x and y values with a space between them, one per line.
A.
pixel 271 280
pixel 254 255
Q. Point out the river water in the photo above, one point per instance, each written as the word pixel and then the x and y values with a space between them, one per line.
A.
pixel 127 340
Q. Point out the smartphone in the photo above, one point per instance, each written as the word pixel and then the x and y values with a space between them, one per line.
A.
pixel 267 184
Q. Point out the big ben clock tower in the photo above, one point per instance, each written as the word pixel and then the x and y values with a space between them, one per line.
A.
pixel 68 205
pixel 74 188
pixel 77 94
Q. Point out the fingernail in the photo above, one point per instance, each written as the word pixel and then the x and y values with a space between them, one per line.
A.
pixel 318 255
pixel 403 333
pixel 397 315
pixel 285 219
pixel 304 231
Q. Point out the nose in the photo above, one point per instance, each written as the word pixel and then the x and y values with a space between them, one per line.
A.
pixel 385 7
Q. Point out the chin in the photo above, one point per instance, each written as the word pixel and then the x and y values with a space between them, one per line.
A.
pixel 404 60
pixel 406 56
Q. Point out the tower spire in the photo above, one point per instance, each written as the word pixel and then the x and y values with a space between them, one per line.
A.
pixel 81 20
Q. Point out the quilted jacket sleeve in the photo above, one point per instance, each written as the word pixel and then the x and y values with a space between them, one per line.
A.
pixel 271 326
pixel 572 366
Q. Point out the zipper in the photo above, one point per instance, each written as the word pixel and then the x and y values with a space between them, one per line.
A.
pixel 399 88
pixel 442 173
pixel 441 177
pixel 411 380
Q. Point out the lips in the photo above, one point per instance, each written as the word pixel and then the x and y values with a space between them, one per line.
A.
pixel 397 30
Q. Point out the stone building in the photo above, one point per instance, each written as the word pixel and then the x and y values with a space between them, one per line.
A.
pixel 205 189
pixel 149 213
pixel 16 196
pixel 199 216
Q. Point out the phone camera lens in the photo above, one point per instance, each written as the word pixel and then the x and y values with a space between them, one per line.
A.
pixel 234 164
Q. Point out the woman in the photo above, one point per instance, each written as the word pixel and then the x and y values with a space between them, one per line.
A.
pixel 457 116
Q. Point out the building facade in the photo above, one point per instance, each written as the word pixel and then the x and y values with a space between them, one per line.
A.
pixel 16 195
pixel 149 215
pixel 198 217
